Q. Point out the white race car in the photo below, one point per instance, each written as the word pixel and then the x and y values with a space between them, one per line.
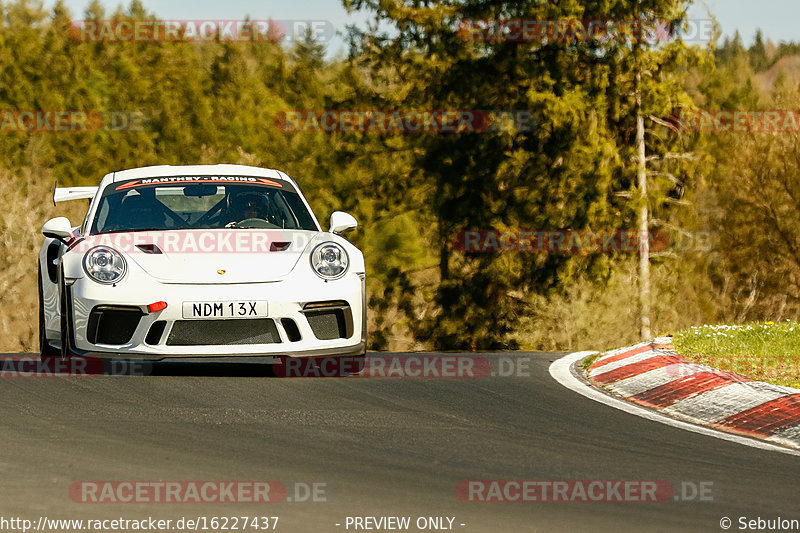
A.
pixel 199 261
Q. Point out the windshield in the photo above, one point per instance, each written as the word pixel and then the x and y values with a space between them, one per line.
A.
pixel 204 202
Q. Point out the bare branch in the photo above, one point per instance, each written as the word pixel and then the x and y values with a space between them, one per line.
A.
pixel 664 123
pixel 687 155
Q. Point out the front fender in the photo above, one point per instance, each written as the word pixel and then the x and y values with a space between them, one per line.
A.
pixel 72 263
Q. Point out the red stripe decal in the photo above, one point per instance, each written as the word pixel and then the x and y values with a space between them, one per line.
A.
pixel 127 185
pixel 766 418
pixel 669 393
pixel 620 356
pixel 633 369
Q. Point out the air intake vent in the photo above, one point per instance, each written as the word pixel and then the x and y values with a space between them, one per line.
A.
pixel 112 324
pixel 329 320
pixel 290 327
pixel 155 333
pixel 223 332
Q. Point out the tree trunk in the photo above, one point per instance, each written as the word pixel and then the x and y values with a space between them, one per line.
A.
pixel 644 236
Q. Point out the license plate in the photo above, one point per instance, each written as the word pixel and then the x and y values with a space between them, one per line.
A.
pixel 228 309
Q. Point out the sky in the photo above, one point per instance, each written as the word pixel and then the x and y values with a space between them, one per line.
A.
pixel 776 18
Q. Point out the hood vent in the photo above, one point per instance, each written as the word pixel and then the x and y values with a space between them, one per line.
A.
pixel 149 248
pixel 279 246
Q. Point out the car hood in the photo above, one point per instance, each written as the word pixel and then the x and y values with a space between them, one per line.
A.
pixel 211 256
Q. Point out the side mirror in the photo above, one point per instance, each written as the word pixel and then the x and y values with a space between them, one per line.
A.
pixel 58 228
pixel 342 222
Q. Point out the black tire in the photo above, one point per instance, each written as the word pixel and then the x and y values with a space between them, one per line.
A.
pixel 65 319
pixel 347 365
pixel 45 348
pixel 361 363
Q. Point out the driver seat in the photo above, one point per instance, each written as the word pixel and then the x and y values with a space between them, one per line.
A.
pixel 141 212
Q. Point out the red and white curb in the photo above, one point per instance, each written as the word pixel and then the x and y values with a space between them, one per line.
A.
pixel 657 383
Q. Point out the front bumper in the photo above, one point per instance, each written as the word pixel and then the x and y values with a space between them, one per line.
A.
pixel 293 329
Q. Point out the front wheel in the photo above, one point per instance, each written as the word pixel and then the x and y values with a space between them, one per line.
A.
pixel 45 348
pixel 340 366
pixel 65 321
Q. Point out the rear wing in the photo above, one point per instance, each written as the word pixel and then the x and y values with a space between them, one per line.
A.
pixel 63 194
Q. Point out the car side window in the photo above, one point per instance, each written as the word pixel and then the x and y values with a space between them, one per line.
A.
pixel 102 215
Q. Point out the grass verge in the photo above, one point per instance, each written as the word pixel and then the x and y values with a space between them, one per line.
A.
pixel 765 352
pixel 591 359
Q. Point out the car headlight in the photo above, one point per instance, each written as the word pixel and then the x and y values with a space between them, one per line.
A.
pixel 329 260
pixel 104 264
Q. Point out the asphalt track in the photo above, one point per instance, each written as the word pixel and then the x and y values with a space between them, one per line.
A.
pixel 380 446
